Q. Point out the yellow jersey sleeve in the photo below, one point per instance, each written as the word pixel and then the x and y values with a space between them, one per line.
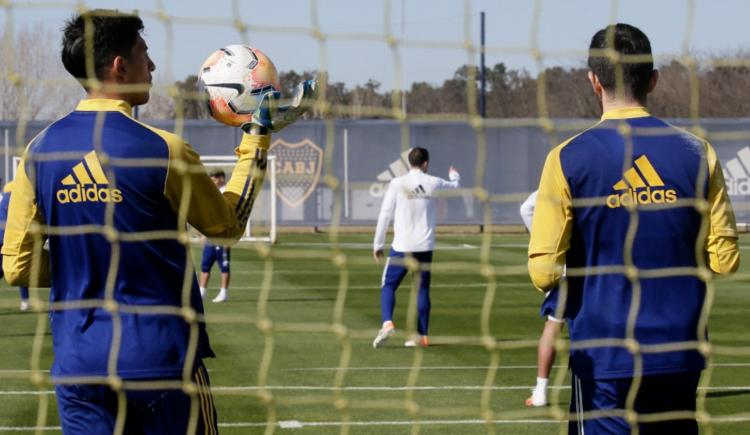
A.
pixel 197 200
pixel 25 262
pixel 722 251
pixel 551 225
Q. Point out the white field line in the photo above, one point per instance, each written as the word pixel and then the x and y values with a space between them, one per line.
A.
pixel 221 389
pixel 295 424
pixel 438 247
pixel 427 368
pixel 375 286
pixel 368 246
pixel 387 368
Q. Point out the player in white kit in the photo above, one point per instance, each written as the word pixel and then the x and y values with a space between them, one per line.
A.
pixel 409 200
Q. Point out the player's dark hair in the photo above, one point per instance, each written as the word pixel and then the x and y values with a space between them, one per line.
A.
pixel 417 157
pixel 627 41
pixel 112 32
pixel 218 173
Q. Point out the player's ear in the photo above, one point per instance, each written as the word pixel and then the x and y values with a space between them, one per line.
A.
pixel 596 85
pixel 654 80
pixel 119 68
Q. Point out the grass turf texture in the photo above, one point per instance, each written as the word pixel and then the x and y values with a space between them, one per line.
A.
pixel 313 286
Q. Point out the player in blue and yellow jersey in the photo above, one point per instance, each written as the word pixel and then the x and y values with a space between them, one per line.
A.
pixel 113 196
pixel 4 202
pixel 637 211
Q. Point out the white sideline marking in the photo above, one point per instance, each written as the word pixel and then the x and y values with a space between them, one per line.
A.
pixel 374 286
pixel 395 368
pixel 219 389
pixel 427 368
pixel 290 424
pixel 438 247
pixel 425 388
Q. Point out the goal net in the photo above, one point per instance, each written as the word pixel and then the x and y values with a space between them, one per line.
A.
pixel 294 339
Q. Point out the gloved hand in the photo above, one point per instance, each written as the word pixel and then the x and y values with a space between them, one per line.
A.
pixel 272 117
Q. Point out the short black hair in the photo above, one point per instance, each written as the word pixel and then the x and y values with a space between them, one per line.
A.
pixel 626 40
pixel 417 156
pixel 217 173
pixel 114 34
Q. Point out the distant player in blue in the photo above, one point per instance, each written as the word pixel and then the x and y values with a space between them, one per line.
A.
pixel 632 207
pixel 4 201
pixel 553 323
pixel 215 254
pixel 117 194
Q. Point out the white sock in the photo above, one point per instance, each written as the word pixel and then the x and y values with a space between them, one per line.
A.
pixel 387 322
pixel 203 291
pixel 541 383
pixel 223 290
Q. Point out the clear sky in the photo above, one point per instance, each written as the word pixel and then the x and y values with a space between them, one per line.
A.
pixel 356 48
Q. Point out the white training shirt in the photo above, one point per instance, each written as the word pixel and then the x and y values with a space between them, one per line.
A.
pixel 410 198
pixel 527 209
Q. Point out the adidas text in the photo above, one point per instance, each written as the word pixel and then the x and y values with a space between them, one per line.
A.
pixel 644 196
pixel 93 193
pixel 738 186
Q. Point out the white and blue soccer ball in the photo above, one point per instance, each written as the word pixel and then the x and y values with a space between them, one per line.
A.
pixel 234 79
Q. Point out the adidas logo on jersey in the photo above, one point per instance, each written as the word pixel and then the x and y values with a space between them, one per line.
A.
pixel 641 186
pixel 85 184
pixel 418 193
pixel 736 171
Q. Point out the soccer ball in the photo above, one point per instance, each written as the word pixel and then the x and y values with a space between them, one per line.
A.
pixel 234 79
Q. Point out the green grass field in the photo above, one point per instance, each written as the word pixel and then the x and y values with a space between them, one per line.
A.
pixel 294 346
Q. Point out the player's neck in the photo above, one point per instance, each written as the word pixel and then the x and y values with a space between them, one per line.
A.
pixel 610 104
pixel 108 95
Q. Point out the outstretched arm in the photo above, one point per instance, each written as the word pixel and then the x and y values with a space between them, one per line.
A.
pixel 453 181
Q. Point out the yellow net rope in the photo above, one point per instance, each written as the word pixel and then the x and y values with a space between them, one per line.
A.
pixel 273 327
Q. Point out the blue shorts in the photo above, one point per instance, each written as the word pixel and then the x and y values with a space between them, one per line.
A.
pixel 656 394
pixel 548 309
pixel 218 254
pixel 92 409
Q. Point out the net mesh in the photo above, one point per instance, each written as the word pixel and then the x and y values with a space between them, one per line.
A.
pixel 345 338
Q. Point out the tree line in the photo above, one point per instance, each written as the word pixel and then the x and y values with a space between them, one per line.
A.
pixel 721 90
pixel 37 87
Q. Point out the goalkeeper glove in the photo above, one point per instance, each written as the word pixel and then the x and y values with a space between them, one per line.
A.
pixel 272 117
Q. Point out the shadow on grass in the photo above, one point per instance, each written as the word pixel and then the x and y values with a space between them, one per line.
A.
pixel 717 394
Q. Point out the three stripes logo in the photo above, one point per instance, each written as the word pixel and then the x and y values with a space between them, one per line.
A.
pixel 737 172
pixel 418 192
pixel 87 183
pixel 395 169
pixel 641 184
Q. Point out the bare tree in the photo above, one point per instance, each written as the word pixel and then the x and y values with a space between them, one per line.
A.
pixel 33 83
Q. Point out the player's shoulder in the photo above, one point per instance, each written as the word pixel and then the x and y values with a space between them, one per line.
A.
pixel 176 145
pixel 171 139
pixel 581 138
pixel 399 180
pixel 691 137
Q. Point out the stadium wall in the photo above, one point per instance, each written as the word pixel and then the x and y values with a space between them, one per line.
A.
pixel 361 156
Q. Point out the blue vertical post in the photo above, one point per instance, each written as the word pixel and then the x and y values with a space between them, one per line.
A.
pixel 482 77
